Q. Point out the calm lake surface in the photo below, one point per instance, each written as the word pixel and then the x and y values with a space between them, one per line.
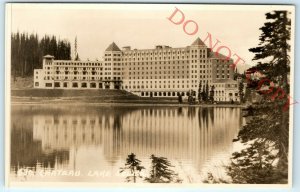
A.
pixel 90 143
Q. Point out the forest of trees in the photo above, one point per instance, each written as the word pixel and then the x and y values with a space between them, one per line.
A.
pixel 27 52
pixel 206 94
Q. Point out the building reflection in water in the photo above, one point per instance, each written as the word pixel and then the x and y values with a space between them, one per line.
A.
pixel 88 138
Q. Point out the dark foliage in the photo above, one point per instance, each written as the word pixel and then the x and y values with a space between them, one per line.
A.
pixel 265 159
pixel 241 92
pixel 257 168
pixel 212 94
pixel 161 172
pixel 134 166
pixel 179 98
pixel 27 52
pixel 200 92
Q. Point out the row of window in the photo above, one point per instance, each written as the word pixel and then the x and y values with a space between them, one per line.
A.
pixel 160 86
pixel 155 86
pixel 129 64
pixel 168 77
pixel 163 94
pixel 115 55
pixel 169 94
pixel 80 78
pixel 222 77
pixel 165 67
pixel 223 71
pixel 114 59
pixel 159 77
pixel 77 63
pixel 222 66
pixel 158 58
pixel 155 52
pixel 76 73
pixel 158 72
pixel 160 67
pixel 72 78
pixel 73 85
pixel 217 93
pixel 77 68
pixel 222 61
pixel 115 64
pixel 155 82
pixel 161 62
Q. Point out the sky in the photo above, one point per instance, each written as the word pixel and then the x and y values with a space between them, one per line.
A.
pixel 142 26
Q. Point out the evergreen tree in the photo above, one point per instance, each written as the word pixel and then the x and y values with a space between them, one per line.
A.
pixel 273 48
pixel 205 93
pixel 257 167
pixel 241 91
pixel 77 58
pixel 134 166
pixel 161 172
pixel 236 74
pixel 212 94
pixel 200 91
pixel 266 159
pixel 179 98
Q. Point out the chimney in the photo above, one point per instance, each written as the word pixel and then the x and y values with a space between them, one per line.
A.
pixel 126 48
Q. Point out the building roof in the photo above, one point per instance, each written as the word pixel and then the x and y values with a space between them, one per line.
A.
pixel 113 47
pixel 216 55
pixel 198 42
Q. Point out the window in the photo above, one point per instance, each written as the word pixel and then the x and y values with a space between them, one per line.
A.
pixel 93 85
pixel 56 84
pixel 75 85
pixel 48 84
pixel 83 85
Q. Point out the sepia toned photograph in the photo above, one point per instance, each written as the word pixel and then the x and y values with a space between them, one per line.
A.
pixel 149 94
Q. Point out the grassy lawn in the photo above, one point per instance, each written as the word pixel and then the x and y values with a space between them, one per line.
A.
pixel 21 83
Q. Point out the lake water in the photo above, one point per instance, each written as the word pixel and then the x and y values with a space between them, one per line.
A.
pixel 80 143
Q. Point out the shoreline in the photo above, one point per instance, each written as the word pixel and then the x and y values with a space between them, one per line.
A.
pixel 110 102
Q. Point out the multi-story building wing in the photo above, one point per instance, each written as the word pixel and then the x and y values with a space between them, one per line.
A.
pixel 159 72
pixel 112 76
pixel 68 74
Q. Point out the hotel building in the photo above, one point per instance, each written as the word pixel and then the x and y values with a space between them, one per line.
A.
pixel 160 72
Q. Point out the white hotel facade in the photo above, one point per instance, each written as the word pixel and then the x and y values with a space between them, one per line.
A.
pixel 159 72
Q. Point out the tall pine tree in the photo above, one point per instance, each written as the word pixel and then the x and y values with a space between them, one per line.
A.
pixel 133 165
pixel 161 172
pixel 200 91
pixel 267 134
